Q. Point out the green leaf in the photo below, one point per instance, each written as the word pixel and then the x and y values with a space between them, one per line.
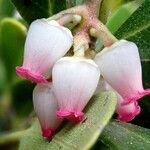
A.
pixel 75 137
pixel 125 136
pixel 115 21
pixel 57 5
pixel 6 9
pixel 13 35
pixel 10 141
pixel 137 29
pixel 107 8
pixel 2 78
pixel 22 97
pixel 34 9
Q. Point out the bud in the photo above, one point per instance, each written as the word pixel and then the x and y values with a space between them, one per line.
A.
pixel 46 42
pixel 45 106
pixel 74 80
pixel 121 68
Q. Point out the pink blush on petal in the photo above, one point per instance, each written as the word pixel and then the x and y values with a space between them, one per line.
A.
pixel 26 73
pixel 73 116
pixel 136 97
pixel 145 92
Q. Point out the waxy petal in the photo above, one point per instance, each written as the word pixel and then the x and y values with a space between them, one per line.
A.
pixel 121 68
pixel 46 42
pixel 126 112
pixel 45 106
pixel 74 80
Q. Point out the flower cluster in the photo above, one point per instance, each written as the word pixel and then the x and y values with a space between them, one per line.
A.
pixel 66 84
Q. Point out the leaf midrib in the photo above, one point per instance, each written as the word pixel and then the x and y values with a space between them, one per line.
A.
pixel 132 33
pixel 148 141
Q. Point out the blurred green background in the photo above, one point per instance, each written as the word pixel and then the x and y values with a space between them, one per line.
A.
pixel 122 17
pixel 15 93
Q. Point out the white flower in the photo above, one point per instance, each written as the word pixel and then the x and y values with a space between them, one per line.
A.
pixel 45 106
pixel 121 68
pixel 46 42
pixel 74 80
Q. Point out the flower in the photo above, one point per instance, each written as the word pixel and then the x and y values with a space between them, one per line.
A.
pixel 121 68
pixel 126 112
pixel 45 106
pixel 74 82
pixel 46 42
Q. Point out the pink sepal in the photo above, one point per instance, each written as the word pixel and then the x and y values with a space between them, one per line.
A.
pixel 73 116
pixel 26 73
pixel 125 115
pixel 48 133
pixel 137 97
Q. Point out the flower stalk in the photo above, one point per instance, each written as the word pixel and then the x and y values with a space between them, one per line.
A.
pixel 75 19
pixel 81 43
pixel 94 5
pixel 90 24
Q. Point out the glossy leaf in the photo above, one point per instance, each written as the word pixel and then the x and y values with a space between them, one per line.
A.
pixel 13 35
pixel 107 8
pixel 34 9
pixel 75 137
pixel 6 9
pixel 2 78
pixel 125 136
pixel 22 97
pixel 137 29
pixel 115 21
pixel 57 5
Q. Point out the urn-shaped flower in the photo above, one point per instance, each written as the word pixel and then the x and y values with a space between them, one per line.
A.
pixel 46 42
pixel 74 80
pixel 45 106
